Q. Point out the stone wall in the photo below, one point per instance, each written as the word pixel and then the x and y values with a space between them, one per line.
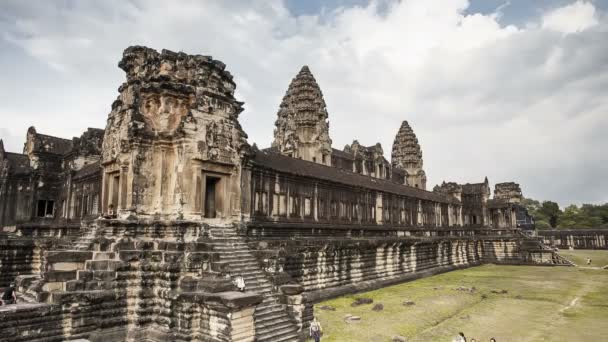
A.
pixel 325 265
pixel 575 238
pixel 134 280
pixel 92 316
pixel 327 268
pixel 18 256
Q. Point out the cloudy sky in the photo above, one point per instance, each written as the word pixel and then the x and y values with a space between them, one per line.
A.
pixel 513 90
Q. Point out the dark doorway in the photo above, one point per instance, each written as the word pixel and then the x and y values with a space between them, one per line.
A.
pixel 211 184
pixel 45 208
pixel 115 185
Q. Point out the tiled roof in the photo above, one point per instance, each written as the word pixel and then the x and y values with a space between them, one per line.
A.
pixel 298 167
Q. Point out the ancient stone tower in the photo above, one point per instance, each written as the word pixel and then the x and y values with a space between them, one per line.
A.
pixel 302 129
pixel 407 155
pixel 508 192
pixel 173 144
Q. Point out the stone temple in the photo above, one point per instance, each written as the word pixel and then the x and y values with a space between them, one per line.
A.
pixel 136 232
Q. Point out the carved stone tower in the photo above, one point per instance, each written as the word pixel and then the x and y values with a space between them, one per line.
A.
pixel 302 129
pixel 407 155
pixel 508 192
pixel 173 144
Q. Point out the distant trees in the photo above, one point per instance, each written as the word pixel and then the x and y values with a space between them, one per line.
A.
pixel 548 215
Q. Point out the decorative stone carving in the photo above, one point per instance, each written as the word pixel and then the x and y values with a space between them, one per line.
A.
pixel 164 112
pixel 174 112
pixel 302 129
pixel 509 192
pixel 407 156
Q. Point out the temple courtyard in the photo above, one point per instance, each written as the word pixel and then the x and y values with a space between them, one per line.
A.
pixel 509 303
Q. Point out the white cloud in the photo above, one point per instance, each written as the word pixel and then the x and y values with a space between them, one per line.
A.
pixel 514 103
pixel 575 17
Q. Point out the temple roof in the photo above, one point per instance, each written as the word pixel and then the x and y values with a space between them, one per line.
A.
pixel 302 106
pixel 342 154
pixel 275 161
pixel 475 188
pixel 304 99
pixel 406 148
pixel 19 164
pixel 48 143
pixel 88 170
pixel 496 203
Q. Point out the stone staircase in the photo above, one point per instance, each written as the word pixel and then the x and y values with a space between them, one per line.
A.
pixel 84 240
pixel 62 273
pixel 272 322
pixel 536 244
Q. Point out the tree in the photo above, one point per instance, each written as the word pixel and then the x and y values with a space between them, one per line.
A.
pixel 547 215
pixel 550 211
pixel 588 216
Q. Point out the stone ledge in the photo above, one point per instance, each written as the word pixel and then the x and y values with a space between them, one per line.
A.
pixel 321 295
pixel 231 299
pixel 68 256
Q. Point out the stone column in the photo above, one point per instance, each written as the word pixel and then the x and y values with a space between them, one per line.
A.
pixel 379 209
pixel 297 307
pixel 242 325
pixel 122 199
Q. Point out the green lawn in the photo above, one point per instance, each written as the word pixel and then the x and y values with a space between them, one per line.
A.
pixel 541 304
pixel 599 258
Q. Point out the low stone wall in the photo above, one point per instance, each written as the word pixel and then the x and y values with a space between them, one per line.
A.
pixel 575 238
pixel 66 230
pixel 327 268
pixel 324 267
pixel 93 316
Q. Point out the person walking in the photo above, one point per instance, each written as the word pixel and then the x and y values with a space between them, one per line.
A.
pixel 315 330
pixel 10 295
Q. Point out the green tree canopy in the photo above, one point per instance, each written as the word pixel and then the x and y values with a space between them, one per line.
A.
pixel 547 215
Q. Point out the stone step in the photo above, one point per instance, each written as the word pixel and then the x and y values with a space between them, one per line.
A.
pixel 104 265
pixel 104 256
pixel 279 333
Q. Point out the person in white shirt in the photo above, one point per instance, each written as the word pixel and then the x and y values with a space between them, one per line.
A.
pixel 239 282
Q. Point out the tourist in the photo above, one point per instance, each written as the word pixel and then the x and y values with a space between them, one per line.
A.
pixel 315 330
pixel 492 339
pixel 10 295
pixel 111 213
pixel 239 282
pixel 460 337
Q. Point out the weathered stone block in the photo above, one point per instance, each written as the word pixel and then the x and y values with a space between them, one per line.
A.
pixel 53 286
pixel 54 276
pixel 68 256
pixel 67 266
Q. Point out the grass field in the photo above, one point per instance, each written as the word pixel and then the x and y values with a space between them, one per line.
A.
pixel 540 304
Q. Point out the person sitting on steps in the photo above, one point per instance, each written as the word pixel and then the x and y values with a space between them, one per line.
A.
pixel 239 282
pixel 10 295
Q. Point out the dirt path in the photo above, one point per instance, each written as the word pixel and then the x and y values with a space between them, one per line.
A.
pixel 571 304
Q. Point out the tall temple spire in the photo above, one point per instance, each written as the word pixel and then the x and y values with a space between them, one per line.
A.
pixel 302 129
pixel 407 155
